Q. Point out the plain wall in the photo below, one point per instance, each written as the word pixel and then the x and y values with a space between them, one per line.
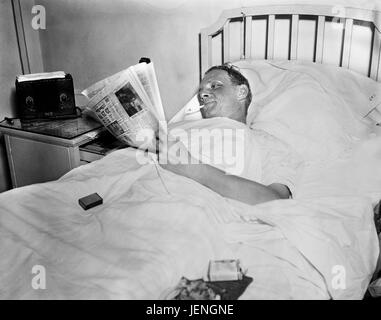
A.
pixel 32 36
pixel 10 67
pixel 92 39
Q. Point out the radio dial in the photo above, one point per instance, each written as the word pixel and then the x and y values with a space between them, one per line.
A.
pixel 29 103
pixel 63 100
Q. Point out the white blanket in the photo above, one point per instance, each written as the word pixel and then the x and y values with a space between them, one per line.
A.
pixel 155 227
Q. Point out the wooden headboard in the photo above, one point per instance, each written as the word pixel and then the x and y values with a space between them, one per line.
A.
pixel 343 36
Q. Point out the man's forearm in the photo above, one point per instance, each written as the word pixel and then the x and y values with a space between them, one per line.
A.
pixel 229 186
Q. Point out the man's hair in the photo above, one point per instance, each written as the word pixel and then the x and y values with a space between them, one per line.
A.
pixel 236 78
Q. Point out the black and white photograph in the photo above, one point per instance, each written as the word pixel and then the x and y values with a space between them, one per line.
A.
pixel 262 179
pixel 115 128
pixel 129 100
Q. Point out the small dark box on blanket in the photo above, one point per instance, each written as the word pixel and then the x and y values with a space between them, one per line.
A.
pixel 90 201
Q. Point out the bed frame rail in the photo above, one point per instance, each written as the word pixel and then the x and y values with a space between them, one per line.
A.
pixel 353 48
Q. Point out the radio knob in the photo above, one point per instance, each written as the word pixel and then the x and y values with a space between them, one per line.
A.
pixel 29 103
pixel 63 100
pixel 63 97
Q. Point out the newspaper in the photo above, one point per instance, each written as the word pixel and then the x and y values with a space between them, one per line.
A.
pixel 129 105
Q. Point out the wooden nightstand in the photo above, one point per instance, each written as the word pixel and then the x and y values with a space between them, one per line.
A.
pixel 42 151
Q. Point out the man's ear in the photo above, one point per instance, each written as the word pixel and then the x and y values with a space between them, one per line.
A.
pixel 242 91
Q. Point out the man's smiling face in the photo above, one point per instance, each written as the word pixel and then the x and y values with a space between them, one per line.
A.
pixel 220 97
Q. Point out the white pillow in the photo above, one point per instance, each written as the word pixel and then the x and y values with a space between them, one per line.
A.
pixel 320 110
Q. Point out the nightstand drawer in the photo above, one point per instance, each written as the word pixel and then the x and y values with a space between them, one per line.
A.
pixel 89 156
pixel 34 161
pixel 99 147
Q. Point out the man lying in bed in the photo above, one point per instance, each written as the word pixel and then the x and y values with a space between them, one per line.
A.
pixel 225 92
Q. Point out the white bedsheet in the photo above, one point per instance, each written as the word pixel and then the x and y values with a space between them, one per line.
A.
pixel 147 234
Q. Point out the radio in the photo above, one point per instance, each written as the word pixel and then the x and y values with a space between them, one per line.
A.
pixel 45 96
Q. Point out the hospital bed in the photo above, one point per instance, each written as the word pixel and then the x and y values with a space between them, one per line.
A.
pixel 155 227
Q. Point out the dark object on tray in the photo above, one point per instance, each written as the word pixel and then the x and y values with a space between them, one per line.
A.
pixel 206 290
pixel 45 98
pixel 231 290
